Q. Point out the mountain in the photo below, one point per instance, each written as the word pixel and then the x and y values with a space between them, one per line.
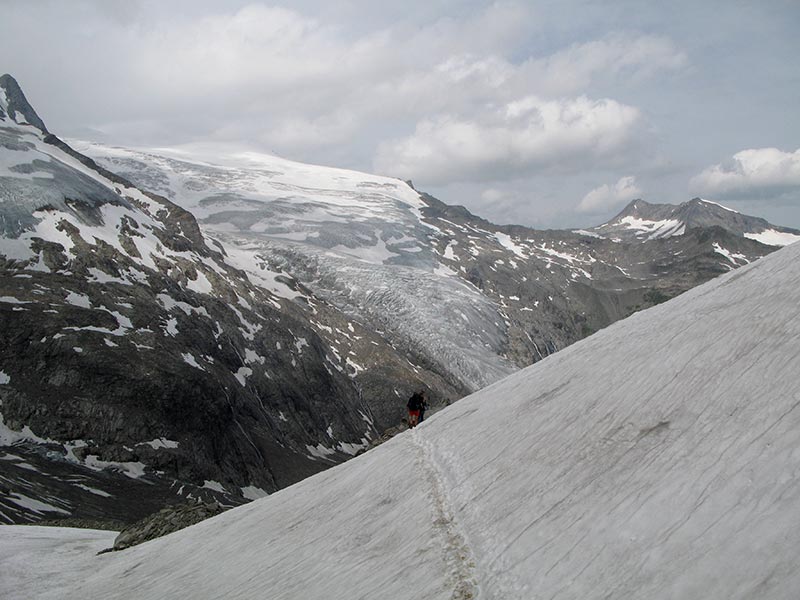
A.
pixel 655 459
pixel 359 242
pixel 140 366
pixel 642 221
pixel 174 327
pixel 14 106
pixel 471 300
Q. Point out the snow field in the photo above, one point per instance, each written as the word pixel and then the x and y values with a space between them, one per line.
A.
pixel 654 229
pixel 658 457
pixel 771 237
pixel 355 541
pixel 59 556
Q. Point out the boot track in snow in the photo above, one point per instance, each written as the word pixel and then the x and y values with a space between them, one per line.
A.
pixel 458 556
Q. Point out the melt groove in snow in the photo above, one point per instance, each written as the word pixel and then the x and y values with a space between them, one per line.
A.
pixel 458 556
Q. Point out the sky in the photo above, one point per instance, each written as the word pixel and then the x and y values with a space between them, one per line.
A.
pixel 546 113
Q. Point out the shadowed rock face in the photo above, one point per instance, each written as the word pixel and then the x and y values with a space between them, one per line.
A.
pixel 14 102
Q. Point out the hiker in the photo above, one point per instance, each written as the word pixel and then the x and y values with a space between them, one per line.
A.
pixel 414 406
pixel 423 406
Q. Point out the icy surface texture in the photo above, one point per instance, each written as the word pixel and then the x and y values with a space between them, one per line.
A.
pixel 353 238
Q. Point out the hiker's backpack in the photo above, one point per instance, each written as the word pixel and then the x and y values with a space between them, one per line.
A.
pixel 415 402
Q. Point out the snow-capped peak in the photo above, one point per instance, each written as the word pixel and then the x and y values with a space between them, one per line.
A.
pixel 14 105
pixel 705 201
pixel 642 221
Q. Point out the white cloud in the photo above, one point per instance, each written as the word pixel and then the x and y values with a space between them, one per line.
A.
pixel 757 172
pixel 517 138
pixel 297 83
pixel 258 48
pixel 493 195
pixel 440 94
pixel 575 67
pixel 607 197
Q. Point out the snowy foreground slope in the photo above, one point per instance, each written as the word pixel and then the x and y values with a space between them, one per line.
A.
pixel 656 459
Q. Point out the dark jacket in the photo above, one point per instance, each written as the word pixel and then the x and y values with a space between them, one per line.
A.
pixel 415 402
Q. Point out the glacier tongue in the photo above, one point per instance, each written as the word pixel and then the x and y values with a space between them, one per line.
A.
pixel 355 239
pixel 656 459
pixel 439 320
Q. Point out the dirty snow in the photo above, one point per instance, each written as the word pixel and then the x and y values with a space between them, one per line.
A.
pixel 505 240
pixel 252 492
pixel 215 486
pixel 160 443
pixel 134 470
pixel 242 374
pixel 189 359
pixel 720 205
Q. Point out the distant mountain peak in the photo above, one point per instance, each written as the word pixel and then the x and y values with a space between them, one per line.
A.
pixel 707 203
pixel 632 207
pixel 15 106
pixel 643 221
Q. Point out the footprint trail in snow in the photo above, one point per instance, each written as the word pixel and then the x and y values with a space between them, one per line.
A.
pixel 458 556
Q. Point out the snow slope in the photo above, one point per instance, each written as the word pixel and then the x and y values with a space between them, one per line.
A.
pixel 656 459
pixel 23 548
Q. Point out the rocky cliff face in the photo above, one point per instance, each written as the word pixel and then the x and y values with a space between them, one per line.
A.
pixel 175 329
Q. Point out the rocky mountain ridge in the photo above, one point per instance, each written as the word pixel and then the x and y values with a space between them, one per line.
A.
pixel 640 220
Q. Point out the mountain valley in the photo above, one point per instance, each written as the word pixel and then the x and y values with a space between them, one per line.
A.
pixel 174 329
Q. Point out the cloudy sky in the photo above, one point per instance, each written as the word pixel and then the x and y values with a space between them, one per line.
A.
pixel 551 113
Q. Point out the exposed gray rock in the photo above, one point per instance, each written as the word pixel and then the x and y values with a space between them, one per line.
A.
pixel 168 520
pixel 16 102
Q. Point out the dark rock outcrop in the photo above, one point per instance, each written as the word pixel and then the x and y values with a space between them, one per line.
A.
pixel 16 102
pixel 168 520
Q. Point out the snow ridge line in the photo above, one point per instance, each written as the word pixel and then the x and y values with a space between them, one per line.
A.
pixel 458 556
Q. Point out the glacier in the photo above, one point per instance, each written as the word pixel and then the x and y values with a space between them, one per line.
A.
pixel 655 459
pixel 357 240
